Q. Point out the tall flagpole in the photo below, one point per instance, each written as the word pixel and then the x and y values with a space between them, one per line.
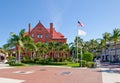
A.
pixel 77 44
pixel 81 33
pixel 77 50
pixel 81 55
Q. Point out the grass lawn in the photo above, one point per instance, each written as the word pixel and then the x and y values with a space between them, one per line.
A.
pixel 69 64
pixel 73 65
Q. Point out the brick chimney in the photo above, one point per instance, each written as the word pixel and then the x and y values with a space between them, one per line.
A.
pixel 51 29
pixel 29 28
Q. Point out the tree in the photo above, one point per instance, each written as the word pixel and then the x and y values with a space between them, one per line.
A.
pixel 78 44
pixel 29 46
pixel 65 49
pixel 86 46
pixel 58 47
pixel 52 48
pixel 6 48
pixel 38 47
pixel 16 41
pixel 115 38
pixel 72 49
pixel 106 37
pixel 44 49
pixel 88 56
pixel 93 46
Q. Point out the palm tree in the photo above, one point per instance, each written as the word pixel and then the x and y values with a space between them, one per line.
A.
pixel 65 50
pixel 58 47
pixel 16 41
pixel 52 48
pixel 106 37
pixel 78 43
pixel 29 46
pixel 93 45
pixel 6 48
pixel 101 46
pixel 86 46
pixel 116 38
pixel 38 47
pixel 72 49
pixel 43 49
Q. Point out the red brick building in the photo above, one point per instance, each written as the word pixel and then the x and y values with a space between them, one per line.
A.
pixel 41 34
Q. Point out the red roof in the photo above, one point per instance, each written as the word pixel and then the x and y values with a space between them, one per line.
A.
pixel 56 35
pixel 26 33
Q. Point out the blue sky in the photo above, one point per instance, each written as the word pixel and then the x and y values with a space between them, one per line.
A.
pixel 98 16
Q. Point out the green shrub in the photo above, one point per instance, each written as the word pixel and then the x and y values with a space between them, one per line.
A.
pixel 72 64
pixel 49 59
pixel 57 63
pixel 11 62
pixel 91 65
pixel 11 58
pixel 28 61
pixel 88 56
pixel 84 63
pixel 16 64
pixel 37 60
pixel 69 59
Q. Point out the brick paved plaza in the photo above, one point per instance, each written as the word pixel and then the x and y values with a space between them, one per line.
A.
pixel 41 74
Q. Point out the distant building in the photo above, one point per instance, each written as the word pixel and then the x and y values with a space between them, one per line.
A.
pixel 112 53
pixel 41 34
pixel 45 35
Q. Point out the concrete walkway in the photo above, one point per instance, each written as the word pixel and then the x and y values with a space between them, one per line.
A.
pixel 109 76
pixel 110 73
pixel 4 66
pixel 8 80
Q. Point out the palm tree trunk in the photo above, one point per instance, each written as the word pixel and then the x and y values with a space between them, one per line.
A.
pixel 19 56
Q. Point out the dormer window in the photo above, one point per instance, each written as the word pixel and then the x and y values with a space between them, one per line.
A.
pixel 39 35
pixel 32 35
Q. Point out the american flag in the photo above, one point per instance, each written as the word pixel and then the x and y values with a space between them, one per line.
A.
pixel 80 24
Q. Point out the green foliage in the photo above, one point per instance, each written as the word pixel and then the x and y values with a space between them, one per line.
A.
pixel 57 63
pixel 11 60
pixel 16 64
pixel 79 55
pixel 49 62
pixel 25 58
pixel 88 56
pixel 69 59
pixel 83 63
pixel 28 61
pixel 57 59
pixel 73 64
pixel 49 59
pixel 91 65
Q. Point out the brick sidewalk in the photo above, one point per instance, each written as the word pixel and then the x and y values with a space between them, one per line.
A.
pixel 39 74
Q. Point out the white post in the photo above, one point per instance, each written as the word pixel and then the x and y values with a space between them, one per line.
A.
pixel 81 55
pixel 77 46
